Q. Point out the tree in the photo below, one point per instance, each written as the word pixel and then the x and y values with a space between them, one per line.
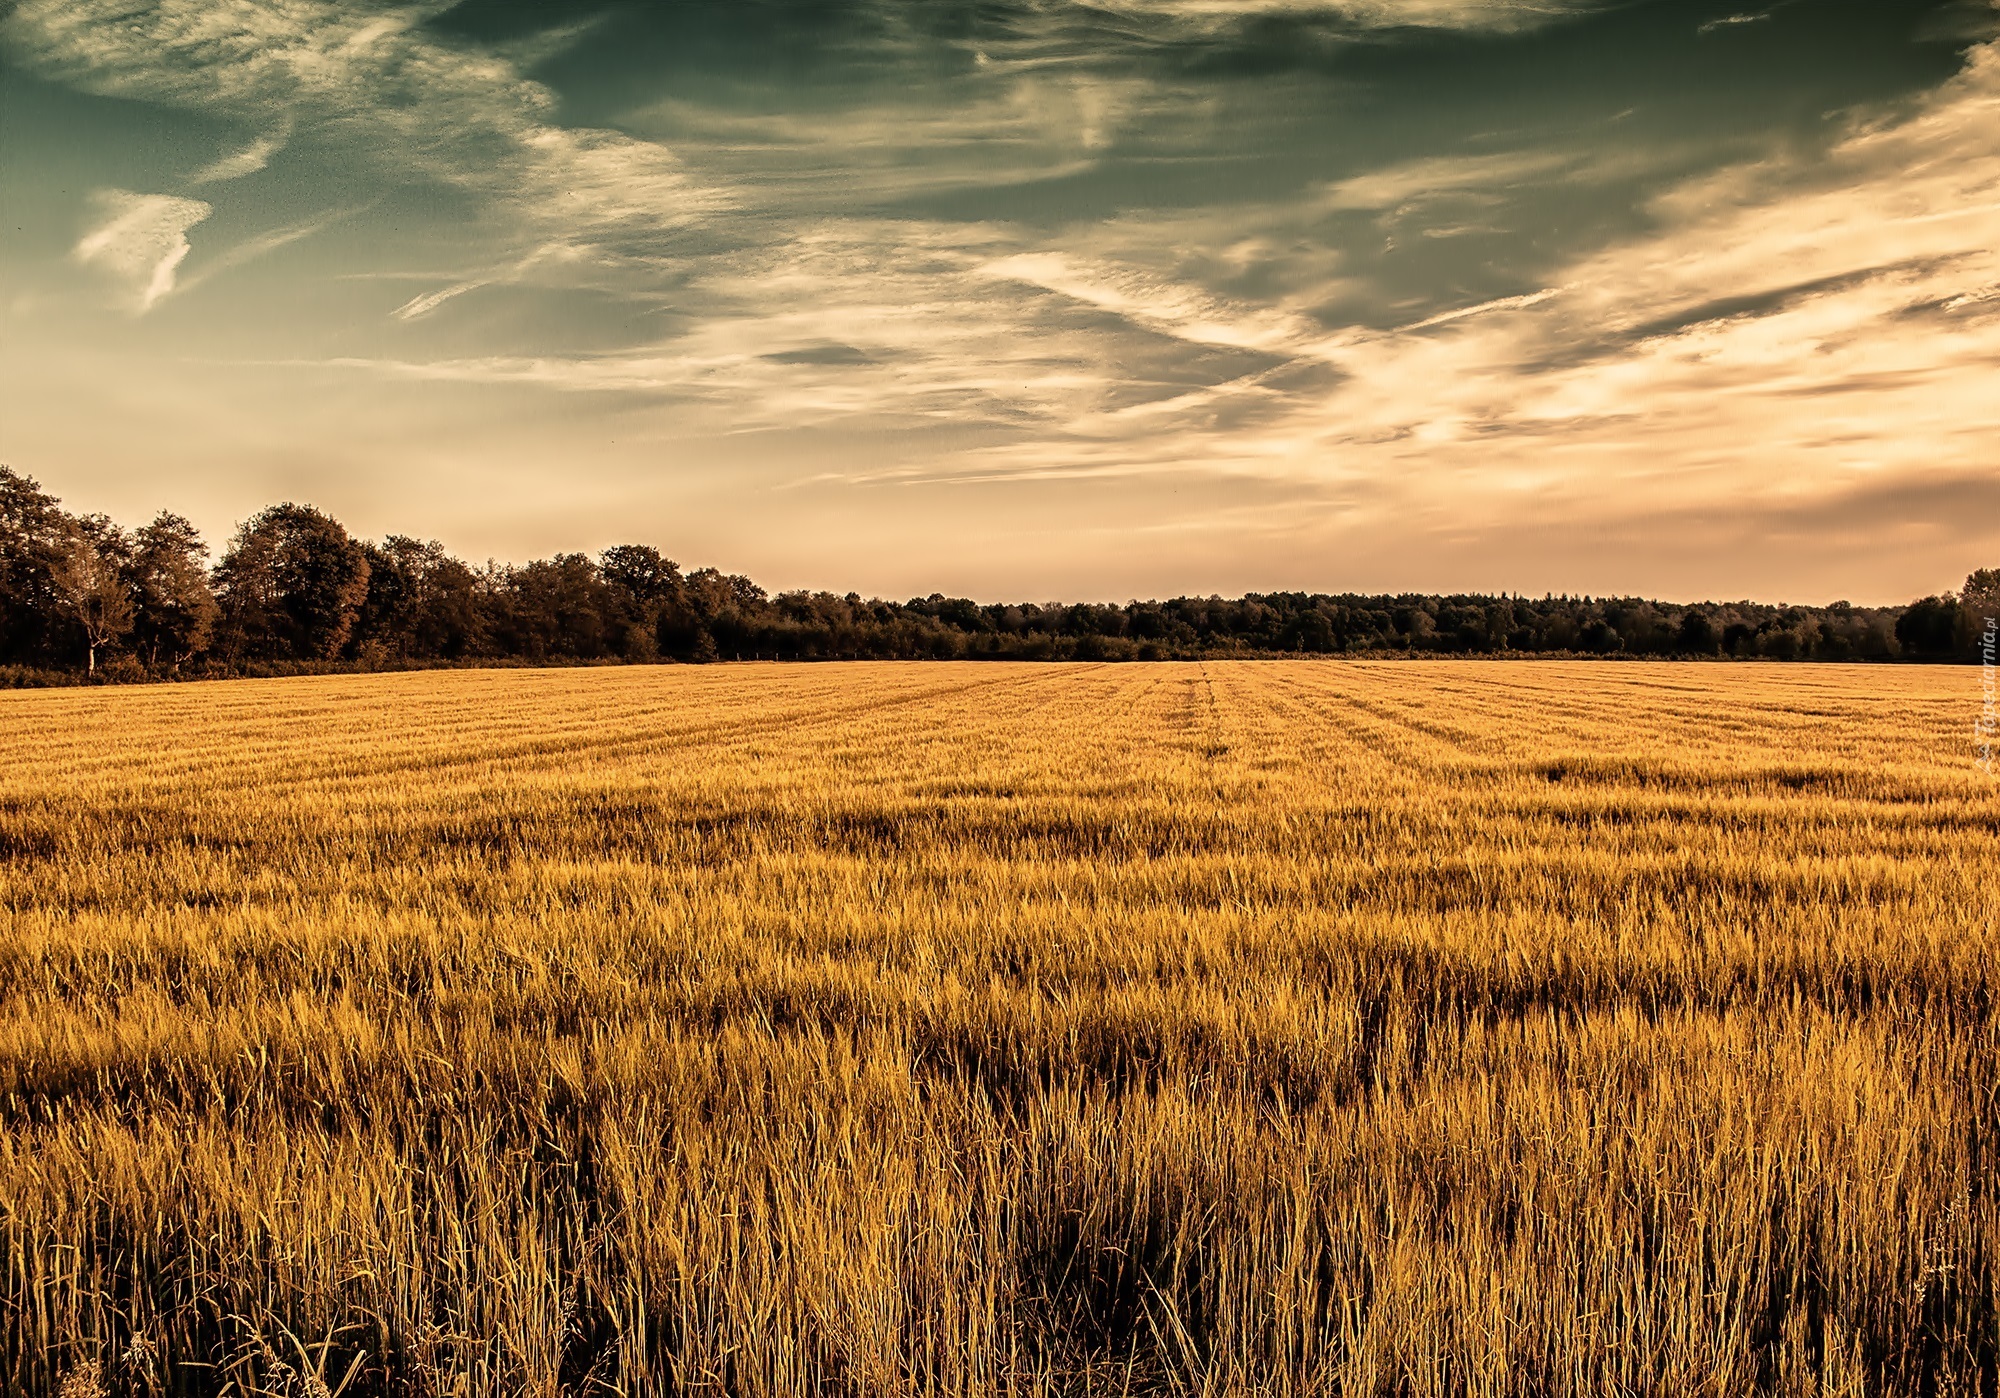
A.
pixel 421 603
pixel 1981 597
pixel 90 586
pixel 646 585
pixel 174 609
pixel 1600 637
pixel 1979 613
pixel 1314 632
pixel 291 585
pixel 1697 634
pixel 704 620
pixel 1930 629
pixel 1780 643
pixel 640 573
pixel 34 541
pixel 555 607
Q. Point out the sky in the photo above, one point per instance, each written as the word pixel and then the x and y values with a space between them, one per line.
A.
pixel 1025 299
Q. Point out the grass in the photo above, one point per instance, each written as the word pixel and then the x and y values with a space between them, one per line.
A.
pixel 1242 1029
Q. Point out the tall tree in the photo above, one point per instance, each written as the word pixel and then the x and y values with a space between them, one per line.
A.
pixel 1932 628
pixel 34 541
pixel 174 608
pixel 1696 634
pixel 640 572
pixel 291 585
pixel 90 583
pixel 554 608
pixel 645 584
pixel 1981 596
pixel 421 604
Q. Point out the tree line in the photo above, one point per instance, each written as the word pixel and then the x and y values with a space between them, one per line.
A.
pixel 293 590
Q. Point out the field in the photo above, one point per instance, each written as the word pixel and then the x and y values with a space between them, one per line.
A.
pixel 1331 1028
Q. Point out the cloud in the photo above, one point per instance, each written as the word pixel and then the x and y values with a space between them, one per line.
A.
pixel 1786 327
pixel 140 241
pixel 423 305
pixel 1795 326
pixel 1504 303
pixel 821 354
pixel 1726 21
pixel 1183 311
pixel 1419 180
pixel 411 102
pixel 1496 15
pixel 1047 104
pixel 1789 329
pixel 247 161
pixel 1005 124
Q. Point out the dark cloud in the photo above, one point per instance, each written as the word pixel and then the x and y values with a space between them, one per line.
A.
pixel 822 354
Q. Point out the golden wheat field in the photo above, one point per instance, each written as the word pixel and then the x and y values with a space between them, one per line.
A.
pixel 1257 1028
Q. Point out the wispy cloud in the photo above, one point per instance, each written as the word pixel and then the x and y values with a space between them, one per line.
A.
pixel 1009 123
pixel 1440 175
pixel 1792 325
pixel 139 240
pixel 1789 327
pixel 423 305
pixel 411 101
pixel 1183 311
pixel 1829 319
pixel 236 165
pixel 1502 15
pixel 1727 21
pixel 1504 303
pixel 1021 251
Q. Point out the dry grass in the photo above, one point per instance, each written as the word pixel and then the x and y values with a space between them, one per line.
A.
pixel 1418 1029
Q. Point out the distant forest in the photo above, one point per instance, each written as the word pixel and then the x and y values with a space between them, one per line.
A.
pixel 293 591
